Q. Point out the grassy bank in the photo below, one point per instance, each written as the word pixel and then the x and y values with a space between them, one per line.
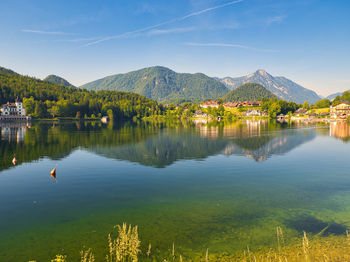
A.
pixel 124 245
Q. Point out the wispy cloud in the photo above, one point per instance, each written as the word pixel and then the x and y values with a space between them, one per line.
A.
pixel 75 40
pixel 275 19
pixel 145 8
pixel 209 9
pixel 230 45
pixel 171 30
pixel 45 32
pixel 178 19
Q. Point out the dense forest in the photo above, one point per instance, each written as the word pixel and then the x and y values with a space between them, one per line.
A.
pixel 277 106
pixel 248 92
pixel 44 99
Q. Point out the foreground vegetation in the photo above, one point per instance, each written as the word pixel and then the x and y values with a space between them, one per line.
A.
pixel 126 246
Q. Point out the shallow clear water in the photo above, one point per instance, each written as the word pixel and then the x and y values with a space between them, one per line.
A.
pixel 220 186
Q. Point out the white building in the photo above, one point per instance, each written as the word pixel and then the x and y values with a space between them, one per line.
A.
pixel 13 109
pixel 340 110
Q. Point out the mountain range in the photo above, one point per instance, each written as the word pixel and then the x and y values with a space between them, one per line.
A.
pixel 162 84
pixel 165 85
pixel 280 86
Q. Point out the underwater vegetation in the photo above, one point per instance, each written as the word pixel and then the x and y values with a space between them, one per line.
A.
pixel 124 245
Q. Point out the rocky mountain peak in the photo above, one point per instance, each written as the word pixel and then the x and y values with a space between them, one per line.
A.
pixel 261 72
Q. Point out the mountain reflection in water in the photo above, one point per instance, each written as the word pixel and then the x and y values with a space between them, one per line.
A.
pixel 155 144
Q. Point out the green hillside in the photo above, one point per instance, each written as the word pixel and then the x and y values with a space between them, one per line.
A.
pixel 163 85
pixel 343 97
pixel 57 80
pixel 247 92
pixel 44 99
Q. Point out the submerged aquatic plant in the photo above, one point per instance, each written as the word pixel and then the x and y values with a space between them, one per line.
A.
pixel 87 256
pixel 59 258
pixel 148 253
pixel 126 246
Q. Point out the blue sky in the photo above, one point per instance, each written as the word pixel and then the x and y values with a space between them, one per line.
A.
pixel 305 40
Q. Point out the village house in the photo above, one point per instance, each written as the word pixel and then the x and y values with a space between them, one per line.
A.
pixel 231 105
pixel 281 118
pixel 241 103
pixel 210 103
pixel 300 112
pixel 312 114
pixel 255 112
pixel 323 114
pixel 252 103
pixel 14 111
pixel 200 114
pixel 340 110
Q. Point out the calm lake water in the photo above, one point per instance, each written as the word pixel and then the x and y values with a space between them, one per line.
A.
pixel 220 186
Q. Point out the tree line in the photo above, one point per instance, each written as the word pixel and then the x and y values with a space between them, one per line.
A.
pixel 47 100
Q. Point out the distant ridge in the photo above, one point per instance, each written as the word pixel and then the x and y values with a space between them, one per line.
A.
pixel 332 96
pixel 248 92
pixel 54 79
pixel 279 86
pixel 162 84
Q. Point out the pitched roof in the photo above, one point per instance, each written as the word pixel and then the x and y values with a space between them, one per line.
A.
pixel 341 102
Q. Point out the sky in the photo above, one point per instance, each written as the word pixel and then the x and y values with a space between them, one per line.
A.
pixel 306 41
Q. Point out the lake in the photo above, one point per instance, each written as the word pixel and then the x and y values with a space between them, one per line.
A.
pixel 221 186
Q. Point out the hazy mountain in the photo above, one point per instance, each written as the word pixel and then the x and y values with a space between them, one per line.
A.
pixel 280 86
pixel 163 85
pixel 248 91
pixel 332 96
pixel 57 80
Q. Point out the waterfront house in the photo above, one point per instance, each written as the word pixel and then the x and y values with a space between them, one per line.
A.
pixel 300 112
pixel 13 111
pixel 313 115
pixel 105 119
pixel 254 112
pixel 281 117
pixel 200 114
pixel 340 110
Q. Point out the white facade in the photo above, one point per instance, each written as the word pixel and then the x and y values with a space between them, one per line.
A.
pixel 13 109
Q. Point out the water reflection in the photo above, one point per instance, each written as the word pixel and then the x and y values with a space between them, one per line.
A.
pixel 157 144
pixel 13 131
pixel 223 203
pixel 259 140
pixel 341 130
